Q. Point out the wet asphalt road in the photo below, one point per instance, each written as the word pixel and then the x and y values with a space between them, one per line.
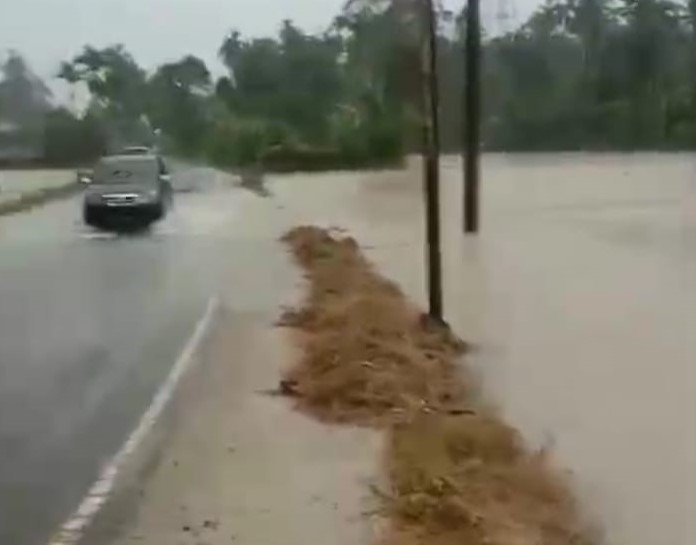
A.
pixel 90 324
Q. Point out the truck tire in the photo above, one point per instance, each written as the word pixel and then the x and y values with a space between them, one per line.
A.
pixel 157 212
pixel 91 216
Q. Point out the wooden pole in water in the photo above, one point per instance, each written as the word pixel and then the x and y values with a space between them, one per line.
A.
pixel 472 117
pixel 432 164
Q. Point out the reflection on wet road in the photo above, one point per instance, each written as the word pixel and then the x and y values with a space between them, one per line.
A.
pixel 90 324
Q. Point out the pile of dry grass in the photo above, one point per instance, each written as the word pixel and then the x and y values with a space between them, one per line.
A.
pixel 457 473
pixel 468 479
pixel 367 355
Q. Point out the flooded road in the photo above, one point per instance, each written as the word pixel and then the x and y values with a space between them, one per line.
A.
pixel 580 295
pixel 90 325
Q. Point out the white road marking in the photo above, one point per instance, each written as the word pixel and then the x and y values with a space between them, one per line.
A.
pixel 72 530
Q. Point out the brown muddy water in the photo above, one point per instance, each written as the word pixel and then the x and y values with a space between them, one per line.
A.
pixel 580 295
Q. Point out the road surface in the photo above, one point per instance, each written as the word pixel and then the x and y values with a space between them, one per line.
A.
pixel 90 325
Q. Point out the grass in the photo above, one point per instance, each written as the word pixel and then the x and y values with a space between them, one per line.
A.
pixel 457 474
pixel 38 197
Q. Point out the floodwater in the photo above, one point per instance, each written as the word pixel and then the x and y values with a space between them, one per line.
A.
pixel 580 297
pixel 587 275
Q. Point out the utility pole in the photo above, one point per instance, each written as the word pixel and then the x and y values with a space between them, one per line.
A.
pixel 431 160
pixel 472 117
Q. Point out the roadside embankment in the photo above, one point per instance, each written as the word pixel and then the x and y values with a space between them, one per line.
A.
pixel 24 189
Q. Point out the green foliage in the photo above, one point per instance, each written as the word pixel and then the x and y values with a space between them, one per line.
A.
pixel 294 157
pixel 235 142
pixel 283 99
pixel 578 74
pixel 24 101
pixel 70 140
pixel 118 88
pixel 593 74
pixel 24 98
pixel 294 79
pixel 178 104
pixel 363 140
pixel 345 95
pixel 112 76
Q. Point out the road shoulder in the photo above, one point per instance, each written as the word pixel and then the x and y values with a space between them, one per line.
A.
pixel 240 465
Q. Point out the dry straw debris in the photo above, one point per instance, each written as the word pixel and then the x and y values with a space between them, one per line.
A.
pixel 457 473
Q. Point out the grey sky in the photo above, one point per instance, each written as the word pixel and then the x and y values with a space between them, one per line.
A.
pixel 48 31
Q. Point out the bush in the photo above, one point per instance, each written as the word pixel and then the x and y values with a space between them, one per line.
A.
pixel 69 140
pixel 239 143
pixel 292 158
pixel 368 141
pixel 244 142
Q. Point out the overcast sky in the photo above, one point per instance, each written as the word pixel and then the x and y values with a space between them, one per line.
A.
pixel 48 31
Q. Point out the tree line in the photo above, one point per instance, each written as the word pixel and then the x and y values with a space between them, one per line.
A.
pixel 595 74
pixel 577 74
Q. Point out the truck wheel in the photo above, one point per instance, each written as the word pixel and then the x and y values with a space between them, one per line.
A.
pixel 157 212
pixel 91 216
